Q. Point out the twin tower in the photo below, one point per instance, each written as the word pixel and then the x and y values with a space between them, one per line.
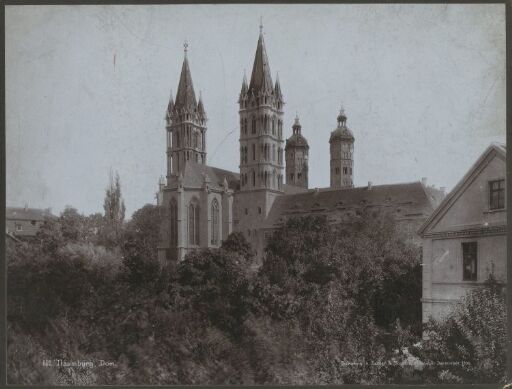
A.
pixel 262 153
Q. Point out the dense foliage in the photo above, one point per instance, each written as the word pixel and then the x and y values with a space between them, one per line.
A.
pixel 469 345
pixel 326 306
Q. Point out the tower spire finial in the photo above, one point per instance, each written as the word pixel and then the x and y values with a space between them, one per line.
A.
pixel 261 25
pixel 342 117
pixel 185 47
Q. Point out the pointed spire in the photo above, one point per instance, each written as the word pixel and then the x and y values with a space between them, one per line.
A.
pixel 185 97
pixel 200 106
pixel 244 85
pixel 277 88
pixel 170 106
pixel 261 81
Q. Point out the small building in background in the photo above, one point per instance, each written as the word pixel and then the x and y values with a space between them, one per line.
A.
pixel 24 222
pixel 464 240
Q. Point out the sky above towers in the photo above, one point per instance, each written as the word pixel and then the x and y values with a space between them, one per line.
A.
pixel 87 87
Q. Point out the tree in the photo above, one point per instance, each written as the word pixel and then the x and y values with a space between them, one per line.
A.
pixel 72 224
pixel 50 235
pixel 236 243
pixel 140 242
pixel 328 278
pixel 468 345
pixel 114 206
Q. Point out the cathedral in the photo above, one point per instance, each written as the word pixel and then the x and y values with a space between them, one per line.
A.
pixel 205 204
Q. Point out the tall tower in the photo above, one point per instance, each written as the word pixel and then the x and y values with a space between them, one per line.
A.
pixel 342 154
pixel 186 125
pixel 261 127
pixel 297 154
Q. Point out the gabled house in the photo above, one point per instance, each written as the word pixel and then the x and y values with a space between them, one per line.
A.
pixel 25 222
pixel 464 240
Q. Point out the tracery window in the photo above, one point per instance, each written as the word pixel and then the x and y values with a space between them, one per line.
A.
pixel 193 224
pixel 173 208
pixel 215 222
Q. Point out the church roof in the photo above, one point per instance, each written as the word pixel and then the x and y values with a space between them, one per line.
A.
pixel 296 140
pixel 341 133
pixel 407 200
pixel 185 97
pixel 194 175
pixel 261 80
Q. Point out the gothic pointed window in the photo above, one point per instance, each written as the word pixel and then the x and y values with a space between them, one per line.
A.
pixel 193 224
pixel 253 178
pixel 215 222
pixel 273 153
pixel 173 210
pixel 253 129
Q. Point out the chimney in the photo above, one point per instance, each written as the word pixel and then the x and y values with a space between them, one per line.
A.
pixel 370 185
pixel 424 181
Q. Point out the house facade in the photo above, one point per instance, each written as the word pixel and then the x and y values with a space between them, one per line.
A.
pixel 464 240
pixel 24 222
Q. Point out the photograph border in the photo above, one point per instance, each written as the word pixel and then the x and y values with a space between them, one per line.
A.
pixel 3 292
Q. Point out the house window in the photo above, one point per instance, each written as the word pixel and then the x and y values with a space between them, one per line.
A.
pixel 174 223
pixel 215 222
pixel 254 125
pixel 344 170
pixel 497 194
pixel 337 170
pixel 193 224
pixel 259 210
pixel 19 227
pixel 469 259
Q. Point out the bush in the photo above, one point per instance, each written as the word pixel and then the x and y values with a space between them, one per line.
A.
pixel 469 345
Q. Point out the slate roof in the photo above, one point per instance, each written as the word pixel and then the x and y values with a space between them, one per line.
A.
pixel 341 132
pixel 261 80
pixel 407 200
pixel 194 173
pixel 185 97
pixel 21 213
pixel 296 140
pixel 193 177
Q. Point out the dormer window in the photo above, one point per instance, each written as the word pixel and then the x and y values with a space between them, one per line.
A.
pixel 497 194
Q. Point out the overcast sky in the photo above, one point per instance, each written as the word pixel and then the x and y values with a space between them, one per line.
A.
pixel 87 87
